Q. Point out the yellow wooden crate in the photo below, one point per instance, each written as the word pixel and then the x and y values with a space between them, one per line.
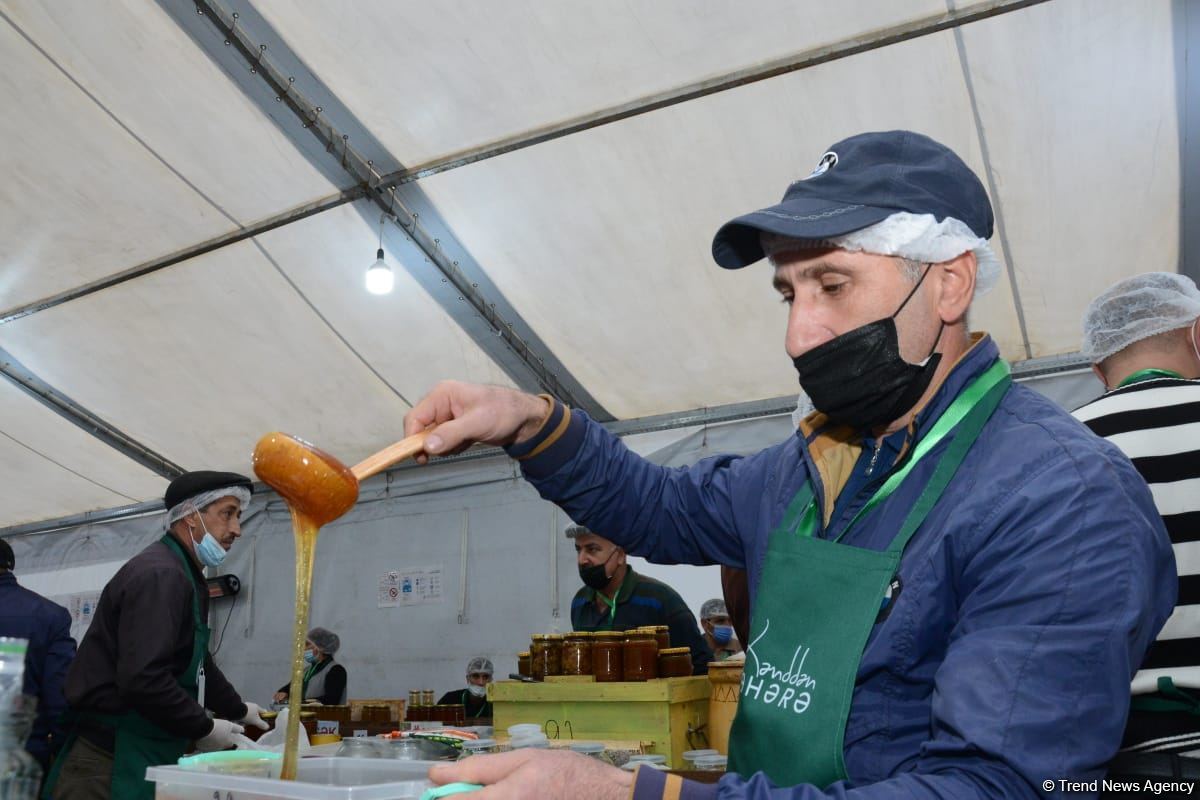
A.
pixel 670 714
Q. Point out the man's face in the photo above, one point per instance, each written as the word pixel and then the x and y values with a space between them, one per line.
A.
pixel 830 292
pixel 713 621
pixel 223 521
pixel 479 678
pixel 591 550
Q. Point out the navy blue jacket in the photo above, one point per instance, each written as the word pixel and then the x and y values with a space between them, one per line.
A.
pixel 47 626
pixel 1031 592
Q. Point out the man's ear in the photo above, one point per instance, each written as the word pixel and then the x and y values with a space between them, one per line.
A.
pixel 956 287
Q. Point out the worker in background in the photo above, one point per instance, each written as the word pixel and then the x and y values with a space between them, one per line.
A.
pixel 1143 339
pixel 474 696
pixel 718 629
pixel 143 682
pixel 952 582
pixel 615 598
pixel 324 681
pixel 47 627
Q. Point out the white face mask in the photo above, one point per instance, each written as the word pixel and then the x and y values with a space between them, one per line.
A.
pixel 477 691
pixel 209 550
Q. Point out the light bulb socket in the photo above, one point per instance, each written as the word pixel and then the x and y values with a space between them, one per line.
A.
pixel 379 254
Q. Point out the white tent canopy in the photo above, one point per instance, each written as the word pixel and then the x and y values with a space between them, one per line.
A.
pixel 182 253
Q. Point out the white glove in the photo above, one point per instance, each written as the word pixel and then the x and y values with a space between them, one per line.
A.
pixel 220 737
pixel 254 716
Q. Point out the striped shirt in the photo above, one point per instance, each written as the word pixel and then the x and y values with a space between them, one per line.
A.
pixel 1156 423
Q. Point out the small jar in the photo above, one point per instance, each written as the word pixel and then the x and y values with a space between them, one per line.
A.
pixel 545 653
pixel 675 662
pixel 577 654
pixel 427 697
pixel 711 763
pixel 414 697
pixel 662 635
pixel 478 747
pixel 358 747
pixel 607 662
pixel 523 665
pixel 639 656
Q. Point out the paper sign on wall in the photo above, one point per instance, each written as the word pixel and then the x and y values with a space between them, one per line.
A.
pixel 82 608
pixel 410 587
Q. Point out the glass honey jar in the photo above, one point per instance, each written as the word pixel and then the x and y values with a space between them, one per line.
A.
pixel 545 655
pixel 675 662
pixel 639 655
pixel 577 653
pixel 523 664
pixel 607 662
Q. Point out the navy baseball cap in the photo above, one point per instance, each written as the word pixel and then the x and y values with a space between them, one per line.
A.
pixel 857 182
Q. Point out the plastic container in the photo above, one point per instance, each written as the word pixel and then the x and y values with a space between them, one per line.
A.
pixel 690 756
pixel 632 766
pixel 316 779
pixel 20 774
pixel 524 729
pixel 606 656
pixel 12 669
pixel 711 763
pixel 639 656
pixel 535 740
pixel 675 662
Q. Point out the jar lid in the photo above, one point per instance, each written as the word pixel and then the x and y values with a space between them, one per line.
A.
pixel 478 744
pixel 659 627
pixel 547 637
pixel 639 634
pixel 523 655
pixel 586 747
pixel 649 758
pixel 675 651
pixel 580 635
pixel 710 761
pixel 610 634
pixel 692 755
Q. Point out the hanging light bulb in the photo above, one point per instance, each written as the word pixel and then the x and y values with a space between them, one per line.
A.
pixel 380 279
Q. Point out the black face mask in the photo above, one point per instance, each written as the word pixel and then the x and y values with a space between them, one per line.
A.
pixel 595 576
pixel 859 379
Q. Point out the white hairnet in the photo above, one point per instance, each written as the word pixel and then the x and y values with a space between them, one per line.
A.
pixel 205 499
pixel 479 664
pixel 325 639
pixel 918 237
pixel 1138 308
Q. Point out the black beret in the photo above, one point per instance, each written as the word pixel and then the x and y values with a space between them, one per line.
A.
pixel 7 559
pixel 190 484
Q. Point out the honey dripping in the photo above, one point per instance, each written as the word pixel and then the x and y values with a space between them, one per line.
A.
pixel 318 489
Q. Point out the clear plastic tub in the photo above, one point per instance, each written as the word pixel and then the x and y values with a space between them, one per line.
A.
pixel 690 756
pixel 316 779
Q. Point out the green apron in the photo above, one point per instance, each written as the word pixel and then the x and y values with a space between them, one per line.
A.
pixel 817 603
pixel 140 743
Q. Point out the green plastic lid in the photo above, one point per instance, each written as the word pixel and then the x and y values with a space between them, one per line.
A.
pixel 229 757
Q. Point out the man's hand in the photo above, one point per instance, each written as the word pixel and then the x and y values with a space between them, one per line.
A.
pixel 254 716
pixel 466 413
pixel 546 775
pixel 220 737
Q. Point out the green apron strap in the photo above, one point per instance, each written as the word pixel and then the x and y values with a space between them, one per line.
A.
pixel 1169 697
pixel 964 404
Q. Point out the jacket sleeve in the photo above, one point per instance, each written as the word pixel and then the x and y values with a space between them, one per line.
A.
pixel 60 652
pixel 1057 603
pixel 219 694
pixel 670 516
pixel 155 606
